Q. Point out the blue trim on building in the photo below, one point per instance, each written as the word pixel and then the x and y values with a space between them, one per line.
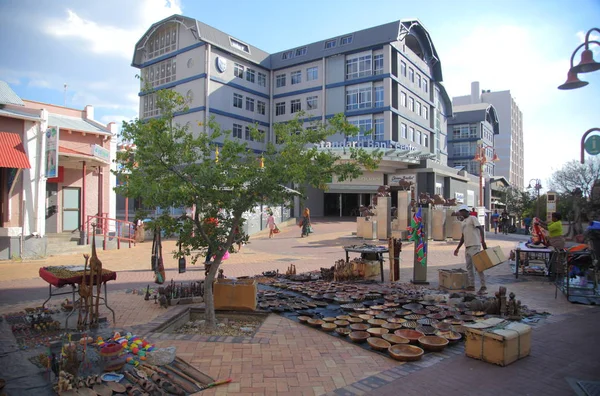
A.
pixel 298 92
pixel 172 84
pixel 191 110
pixel 169 55
pixel 238 117
pixel 238 86
pixel 358 80
pixel 371 110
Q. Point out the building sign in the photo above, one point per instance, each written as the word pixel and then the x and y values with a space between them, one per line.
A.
pixel 384 144
pixel 460 198
pixel 470 197
pixel 366 179
pixel 100 153
pixel 221 64
pixel 396 179
pixel 52 152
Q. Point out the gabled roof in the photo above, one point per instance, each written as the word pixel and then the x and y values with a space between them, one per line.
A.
pixel 75 124
pixel 14 113
pixel 472 113
pixel 8 96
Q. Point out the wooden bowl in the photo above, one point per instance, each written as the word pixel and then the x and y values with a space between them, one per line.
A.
pixel 328 326
pixel 396 320
pixel 377 331
pixel 373 312
pixel 378 344
pixel 343 331
pixel 451 336
pixel 359 326
pixel 433 343
pixel 342 323
pixel 411 335
pixel 395 339
pixel 303 319
pixel 329 319
pixel 342 317
pixel 358 336
pixel 315 322
pixel 391 326
pixel 355 320
pixel 405 352
pixel 376 322
pixel 365 317
pixel 441 326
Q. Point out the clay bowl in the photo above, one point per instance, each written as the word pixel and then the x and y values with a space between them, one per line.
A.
pixel 433 343
pixel 366 317
pixel 358 336
pixel 395 339
pixel 377 331
pixel 328 326
pixel 405 352
pixel 315 322
pixel 451 336
pixel 376 322
pixel 342 317
pixel 391 326
pixel 410 324
pixel 329 319
pixel 441 326
pixel 359 326
pixel 427 330
pixel 343 331
pixel 378 344
pixel 354 320
pixel 304 319
pixel 411 335
pixel 342 323
pixel 396 320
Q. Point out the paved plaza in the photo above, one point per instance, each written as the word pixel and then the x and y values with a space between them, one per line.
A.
pixel 285 357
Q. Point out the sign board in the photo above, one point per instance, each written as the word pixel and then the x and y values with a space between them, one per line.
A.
pixel 460 197
pixel 396 179
pixel 592 145
pixel 52 152
pixel 101 153
pixel 366 179
pixel 382 144
pixel 470 197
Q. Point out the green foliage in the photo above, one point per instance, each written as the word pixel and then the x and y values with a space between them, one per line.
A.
pixel 574 175
pixel 519 203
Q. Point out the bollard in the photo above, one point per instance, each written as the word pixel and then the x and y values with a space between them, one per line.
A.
pixel 374 235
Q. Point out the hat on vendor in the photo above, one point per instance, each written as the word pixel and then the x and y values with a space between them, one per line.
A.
pixel 463 207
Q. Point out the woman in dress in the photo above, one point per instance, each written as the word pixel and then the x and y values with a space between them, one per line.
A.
pixel 271 224
pixel 305 223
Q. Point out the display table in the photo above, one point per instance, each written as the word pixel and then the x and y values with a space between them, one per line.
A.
pixel 522 247
pixel 73 276
pixel 368 249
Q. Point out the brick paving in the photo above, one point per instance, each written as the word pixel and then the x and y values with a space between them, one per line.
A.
pixel 285 357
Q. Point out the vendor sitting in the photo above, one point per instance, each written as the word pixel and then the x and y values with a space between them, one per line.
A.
pixel 555 231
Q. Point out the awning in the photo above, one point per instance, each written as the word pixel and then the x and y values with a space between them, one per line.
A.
pixel 12 152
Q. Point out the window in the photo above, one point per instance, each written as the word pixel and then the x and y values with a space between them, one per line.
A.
pixel 249 104
pixel 330 43
pixel 411 134
pixel 419 80
pixel 403 131
pixel 260 107
pixel 403 99
pixel 312 102
pixel 163 41
pixel 238 70
pixel 364 129
pixel 312 73
pixel 160 73
pixel 418 111
pixel 378 132
pixel 237 100
pixel 425 139
pixel 346 40
pixel 425 87
pixel 411 74
pixel 358 98
pixel 403 68
pixel 295 106
pixel 464 131
pixel 237 131
pixel 378 64
pixel 262 79
pixel 425 112
pixel 296 77
pixel 379 96
pixel 352 99
pixel 280 108
pixel 151 108
pixel 358 67
pixel 286 55
pixel 239 45
pixel 411 104
pixel 301 51
pixel 250 74
pixel 280 80
pixel 248 134
pixel 418 137
pixel 261 135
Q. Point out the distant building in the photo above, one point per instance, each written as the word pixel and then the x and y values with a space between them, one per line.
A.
pixel 509 142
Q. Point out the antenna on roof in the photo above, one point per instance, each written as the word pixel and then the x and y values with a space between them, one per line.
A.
pixel 65 96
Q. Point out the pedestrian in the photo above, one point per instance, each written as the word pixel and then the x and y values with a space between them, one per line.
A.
pixel 474 212
pixel 271 223
pixel 306 227
pixel 527 222
pixel 495 218
pixel 473 238
pixel 505 221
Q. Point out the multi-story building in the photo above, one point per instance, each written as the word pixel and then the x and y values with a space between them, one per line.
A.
pixel 386 79
pixel 509 142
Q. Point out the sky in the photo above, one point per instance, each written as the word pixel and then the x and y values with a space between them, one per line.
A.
pixel 523 46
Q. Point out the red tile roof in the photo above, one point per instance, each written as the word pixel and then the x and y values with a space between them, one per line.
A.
pixel 12 152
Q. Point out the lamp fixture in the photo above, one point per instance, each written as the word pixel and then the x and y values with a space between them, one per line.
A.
pixel 586 65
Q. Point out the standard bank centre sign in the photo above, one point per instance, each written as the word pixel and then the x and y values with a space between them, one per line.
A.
pixel 384 144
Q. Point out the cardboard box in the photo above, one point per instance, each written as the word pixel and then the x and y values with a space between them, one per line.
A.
pixel 230 294
pixel 454 279
pixel 488 258
pixel 497 341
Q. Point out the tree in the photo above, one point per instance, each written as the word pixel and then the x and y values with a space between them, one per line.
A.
pixel 574 175
pixel 169 166
pixel 518 202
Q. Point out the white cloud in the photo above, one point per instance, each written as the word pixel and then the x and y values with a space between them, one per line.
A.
pixel 105 39
pixel 39 83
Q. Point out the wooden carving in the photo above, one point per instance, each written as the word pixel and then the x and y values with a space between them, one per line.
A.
pixel 85 292
pixel 95 277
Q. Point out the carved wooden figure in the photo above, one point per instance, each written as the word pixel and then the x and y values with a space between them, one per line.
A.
pixel 95 276
pixel 85 292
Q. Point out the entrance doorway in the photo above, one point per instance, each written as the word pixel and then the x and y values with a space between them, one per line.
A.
pixel 341 205
pixel 51 208
pixel 71 209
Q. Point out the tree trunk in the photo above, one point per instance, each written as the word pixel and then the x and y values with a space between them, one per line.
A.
pixel 209 301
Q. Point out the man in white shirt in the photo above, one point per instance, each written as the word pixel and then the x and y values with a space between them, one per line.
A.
pixel 473 237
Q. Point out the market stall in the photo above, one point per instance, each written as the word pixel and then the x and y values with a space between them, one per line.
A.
pixel 368 252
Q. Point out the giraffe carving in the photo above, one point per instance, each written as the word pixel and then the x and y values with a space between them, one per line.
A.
pixel 95 277
pixel 85 293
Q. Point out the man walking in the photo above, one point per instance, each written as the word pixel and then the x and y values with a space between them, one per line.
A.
pixel 473 238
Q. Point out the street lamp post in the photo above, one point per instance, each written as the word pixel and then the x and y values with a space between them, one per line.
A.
pixel 482 158
pixel 537 187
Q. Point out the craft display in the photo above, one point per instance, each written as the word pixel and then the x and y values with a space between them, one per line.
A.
pixel 35 327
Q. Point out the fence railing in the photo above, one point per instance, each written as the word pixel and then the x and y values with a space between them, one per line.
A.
pixel 124 230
